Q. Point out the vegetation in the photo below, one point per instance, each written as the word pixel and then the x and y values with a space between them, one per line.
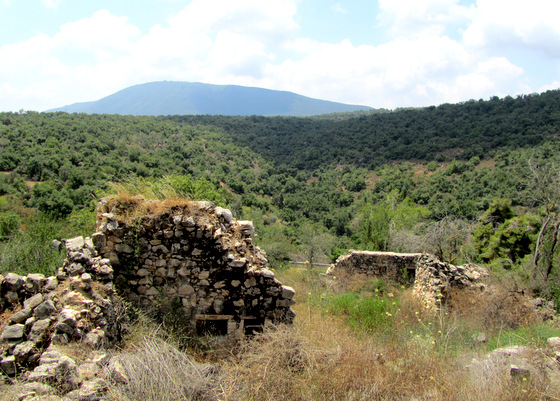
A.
pixel 473 182
pixel 315 187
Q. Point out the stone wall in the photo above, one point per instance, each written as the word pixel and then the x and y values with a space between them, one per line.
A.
pixel 42 313
pixel 430 278
pixel 194 256
pixel 394 266
pixel 190 259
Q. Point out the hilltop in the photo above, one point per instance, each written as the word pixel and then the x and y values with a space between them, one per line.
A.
pixel 180 98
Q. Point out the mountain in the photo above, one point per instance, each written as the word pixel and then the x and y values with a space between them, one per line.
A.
pixel 180 98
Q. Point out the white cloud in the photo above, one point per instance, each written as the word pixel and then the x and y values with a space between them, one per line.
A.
pixel 415 17
pixel 103 34
pixel 338 8
pixel 516 23
pixel 403 72
pixel 52 71
pixel 251 42
pixel 552 86
pixel 51 3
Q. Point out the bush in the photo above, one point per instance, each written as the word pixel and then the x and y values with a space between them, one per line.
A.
pixel 9 223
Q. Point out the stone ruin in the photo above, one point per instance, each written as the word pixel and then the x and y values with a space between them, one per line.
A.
pixel 431 278
pixel 190 256
pixel 196 257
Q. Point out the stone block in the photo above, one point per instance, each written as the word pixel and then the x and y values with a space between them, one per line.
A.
pixel 99 240
pixel 8 365
pixel 74 244
pixel 13 281
pixel 39 330
pixel 23 351
pixel 21 316
pixel 45 309
pixel 13 332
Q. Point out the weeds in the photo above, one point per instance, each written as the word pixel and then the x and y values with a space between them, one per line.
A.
pixel 30 250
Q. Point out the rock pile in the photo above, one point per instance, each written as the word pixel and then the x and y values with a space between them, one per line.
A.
pixel 76 305
pixel 520 363
pixel 434 278
pixel 195 256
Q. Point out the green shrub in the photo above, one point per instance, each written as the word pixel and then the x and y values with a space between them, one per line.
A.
pixel 9 223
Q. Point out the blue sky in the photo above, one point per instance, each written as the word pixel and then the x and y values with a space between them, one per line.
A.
pixel 381 53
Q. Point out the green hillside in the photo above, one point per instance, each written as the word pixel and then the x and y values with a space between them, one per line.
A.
pixel 407 180
pixel 442 133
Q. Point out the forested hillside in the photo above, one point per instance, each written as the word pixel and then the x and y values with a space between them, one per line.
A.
pixel 473 181
pixel 474 128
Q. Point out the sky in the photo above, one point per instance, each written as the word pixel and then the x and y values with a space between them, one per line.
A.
pixel 379 53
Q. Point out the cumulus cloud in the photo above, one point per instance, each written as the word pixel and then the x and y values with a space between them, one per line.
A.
pixel 83 57
pixel 251 42
pixel 418 17
pixel 404 72
pixel 103 34
pixel 514 23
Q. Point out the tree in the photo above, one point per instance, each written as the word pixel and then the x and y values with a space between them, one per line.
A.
pixel 500 233
pixel 446 238
pixel 545 179
pixel 314 241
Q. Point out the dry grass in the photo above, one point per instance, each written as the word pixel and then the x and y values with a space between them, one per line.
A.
pixel 128 208
pixel 493 309
pixel 422 358
pixel 157 370
pixel 415 356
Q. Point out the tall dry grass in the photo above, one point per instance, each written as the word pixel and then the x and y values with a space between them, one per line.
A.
pixel 159 371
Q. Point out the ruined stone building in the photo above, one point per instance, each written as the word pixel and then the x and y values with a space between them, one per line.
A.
pixel 193 257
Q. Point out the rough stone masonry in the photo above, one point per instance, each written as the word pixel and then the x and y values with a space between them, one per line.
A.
pixel 192 256
pixel 195 256
pixel 431 278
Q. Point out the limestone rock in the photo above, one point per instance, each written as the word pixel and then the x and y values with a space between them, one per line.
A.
pixel 91 390
pixel 21 316
pixel 553 343
pixel 35 300
pixel 13 281
pixel 39 330
pixel 8 365
pixel 45 309
pixel 13 332
pixel 117 373
pixel 75 244
pixel 39 389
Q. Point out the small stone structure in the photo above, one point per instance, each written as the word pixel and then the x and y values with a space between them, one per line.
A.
pixel 431 278
pixel 193 257
pixel 394 266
